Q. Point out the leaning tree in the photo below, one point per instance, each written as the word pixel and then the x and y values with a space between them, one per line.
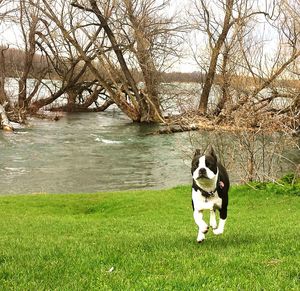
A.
pixel 122 37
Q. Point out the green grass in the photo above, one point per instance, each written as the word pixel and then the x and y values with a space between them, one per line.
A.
pixel 70 242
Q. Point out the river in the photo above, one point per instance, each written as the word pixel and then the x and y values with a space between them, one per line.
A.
pixel 95 152
pixel 89 152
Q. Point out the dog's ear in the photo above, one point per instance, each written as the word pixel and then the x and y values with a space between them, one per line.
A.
pixel 210 151
pixel 195 161
pixel 197 153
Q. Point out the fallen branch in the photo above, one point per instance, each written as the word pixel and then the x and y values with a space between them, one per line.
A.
pixel 176 128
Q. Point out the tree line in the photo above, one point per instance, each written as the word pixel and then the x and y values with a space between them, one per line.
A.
pixel 118 52
pixel 14 58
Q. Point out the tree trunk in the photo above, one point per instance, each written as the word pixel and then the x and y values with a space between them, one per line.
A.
pixel 146 63
pixel 22 92
pixel 224 84
pixel 5 124
pixel 38 104
pixel 149 112
pixel 30 49
pixel 151 80
pixel 3 96
pixel 209 79
pixel 118 52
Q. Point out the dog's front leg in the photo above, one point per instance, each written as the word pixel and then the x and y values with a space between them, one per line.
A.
pixel 203 227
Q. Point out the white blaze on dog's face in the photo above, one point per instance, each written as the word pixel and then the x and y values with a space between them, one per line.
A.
pixel 205 170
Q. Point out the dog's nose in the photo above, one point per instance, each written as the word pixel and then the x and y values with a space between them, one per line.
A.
pixel 202 171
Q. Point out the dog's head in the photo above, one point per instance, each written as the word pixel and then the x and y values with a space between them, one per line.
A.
pixel 205 168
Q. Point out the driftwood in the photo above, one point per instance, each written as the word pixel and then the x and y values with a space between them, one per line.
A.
pixel 5 124
pixel 176 128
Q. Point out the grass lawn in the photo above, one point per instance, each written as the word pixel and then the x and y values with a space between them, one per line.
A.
pixel 72 242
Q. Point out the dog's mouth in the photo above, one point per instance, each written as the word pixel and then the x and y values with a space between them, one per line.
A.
pixel 202 176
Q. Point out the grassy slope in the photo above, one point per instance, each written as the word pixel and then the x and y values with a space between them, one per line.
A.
pixel 69 242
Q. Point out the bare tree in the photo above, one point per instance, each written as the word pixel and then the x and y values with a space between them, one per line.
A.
pixel 6 12
pixel 271 96
pixel 85 54
pixel 216 44
pixel 153 38
pixel 67 65
pixel 219 20
pixel 28 24
pixel 132 29
pixel 251 73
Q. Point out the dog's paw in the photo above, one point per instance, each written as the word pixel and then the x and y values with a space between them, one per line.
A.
pixel 200 237
pixel 213 225
pixel 217 231
pixel 204 227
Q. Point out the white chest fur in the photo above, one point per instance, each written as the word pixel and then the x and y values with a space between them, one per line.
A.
pixel 203 203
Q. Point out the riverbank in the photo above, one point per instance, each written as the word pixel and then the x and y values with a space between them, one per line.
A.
pixel 231 123
pixel 146 240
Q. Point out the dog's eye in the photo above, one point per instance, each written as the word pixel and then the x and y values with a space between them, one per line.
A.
pixel 195 164
pixel 208 164
pixel 211 164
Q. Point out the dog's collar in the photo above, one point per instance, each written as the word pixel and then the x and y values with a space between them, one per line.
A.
pixel 205 193
pixel 220 185
pixel 208 194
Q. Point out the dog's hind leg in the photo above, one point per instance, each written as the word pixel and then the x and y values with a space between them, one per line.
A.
pixel 220 228
pixel 222 221
pixel 212 219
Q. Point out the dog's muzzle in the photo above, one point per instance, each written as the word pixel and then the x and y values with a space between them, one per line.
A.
pixel 202 173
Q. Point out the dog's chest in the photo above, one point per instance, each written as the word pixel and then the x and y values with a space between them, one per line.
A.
pixel 203 203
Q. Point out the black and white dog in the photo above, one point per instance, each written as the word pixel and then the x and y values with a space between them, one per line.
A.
pixel 209 191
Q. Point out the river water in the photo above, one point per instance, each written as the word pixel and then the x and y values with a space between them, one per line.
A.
pixel 93 152
pixel 84 153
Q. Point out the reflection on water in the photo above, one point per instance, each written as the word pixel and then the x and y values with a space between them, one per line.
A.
pixel 85 153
